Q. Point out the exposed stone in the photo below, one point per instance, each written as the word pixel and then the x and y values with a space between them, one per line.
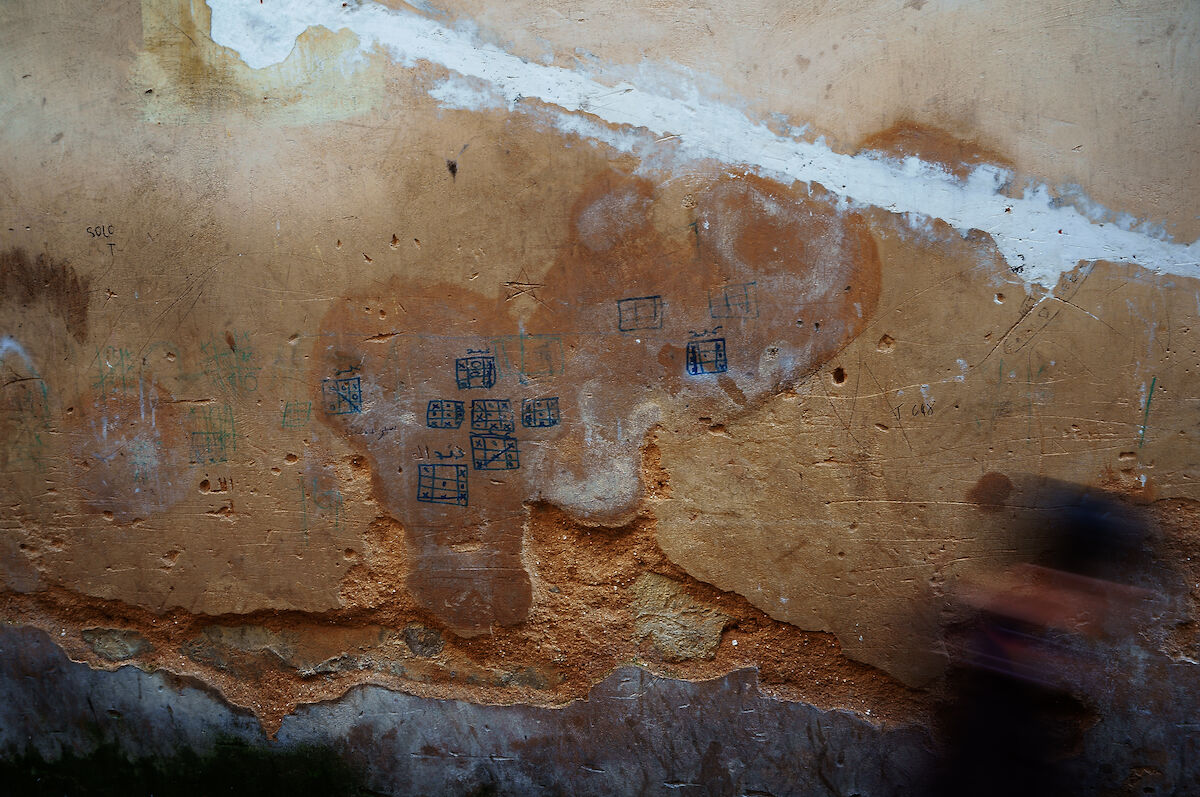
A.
pixel 678 626
pixel 116 644
pixel 422 641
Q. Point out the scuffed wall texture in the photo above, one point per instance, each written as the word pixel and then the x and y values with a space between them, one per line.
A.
pixel 490 352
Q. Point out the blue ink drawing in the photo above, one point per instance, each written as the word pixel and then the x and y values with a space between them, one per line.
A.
pixel 494 452
pixel 641 312
pixel 442 484
pixel 475 372
pixel 733 301
pixel 342 396
pixel 444 414
pixel 538 413
pixel 491 415
pixel 706 357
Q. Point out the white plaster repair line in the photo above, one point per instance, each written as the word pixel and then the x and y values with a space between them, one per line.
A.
pixel 1037 237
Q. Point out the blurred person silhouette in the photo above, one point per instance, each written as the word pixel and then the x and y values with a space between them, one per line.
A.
pixel 1022 666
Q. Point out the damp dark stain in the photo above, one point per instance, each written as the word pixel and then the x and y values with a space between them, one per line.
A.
pixel 452 167
pixel 27 280
pixel 229 341
pixel 991 491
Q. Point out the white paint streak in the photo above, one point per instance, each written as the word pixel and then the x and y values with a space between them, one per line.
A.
pixel 8 344
pixel 1038 236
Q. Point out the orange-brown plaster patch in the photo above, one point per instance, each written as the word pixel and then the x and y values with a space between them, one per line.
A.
pixel 911 139
pixel 646 314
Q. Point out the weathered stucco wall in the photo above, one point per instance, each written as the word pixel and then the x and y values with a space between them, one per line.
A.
pixel 476 351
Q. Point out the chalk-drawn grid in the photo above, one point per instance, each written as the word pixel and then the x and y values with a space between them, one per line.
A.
pixel 734 301
pixel 27 405
pixel 26 447
pixel 640 312
pixel 28 397
pixel 707 357
pixel 116 371
pixel 492 415
pixel 230 365
pixel 213 435
pixel 442 484
pixel 342 396
pixel 539 413
pixel 444 414
pixel 494 452
pixel 530 357
pixel 475 372
pixel 143 455
pixel 296 414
